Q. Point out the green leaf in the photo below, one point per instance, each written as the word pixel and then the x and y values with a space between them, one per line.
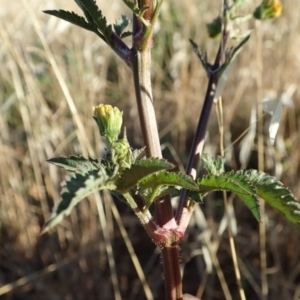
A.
pixel 236 183
pixel 137 154
pixel 94 16
pixel 108 32
pixel 72 18
pixel 86 180
pixel 87 14
pixel 121 24
pixel 196 197
pixel 155 185
pixel 133 5
pixel 274 193
pixel 140 170
pixel 126 34
pixel 168 178
pixel 213 166
pixel 72 162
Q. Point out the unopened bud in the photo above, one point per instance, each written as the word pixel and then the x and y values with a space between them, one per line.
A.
pixel 214 28
pixel 109 120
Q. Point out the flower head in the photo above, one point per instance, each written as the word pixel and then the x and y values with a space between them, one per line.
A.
pixel 268 9
pixel 109 120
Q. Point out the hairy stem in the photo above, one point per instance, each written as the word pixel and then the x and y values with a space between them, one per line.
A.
pixel 170 260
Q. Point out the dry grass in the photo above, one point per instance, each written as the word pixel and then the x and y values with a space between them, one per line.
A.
pixel 51 76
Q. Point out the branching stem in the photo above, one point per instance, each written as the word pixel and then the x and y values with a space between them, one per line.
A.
pixel 198 141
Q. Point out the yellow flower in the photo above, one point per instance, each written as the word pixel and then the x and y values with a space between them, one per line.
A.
pixel 109 120
pixel 268 9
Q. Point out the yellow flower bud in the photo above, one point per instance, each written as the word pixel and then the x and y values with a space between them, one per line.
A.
pixel 268 9
pixel 109 120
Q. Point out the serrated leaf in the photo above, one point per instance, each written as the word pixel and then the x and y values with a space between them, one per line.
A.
pixel 121 24
pixel 140 170
pixel 236 183
pixel 149 195
pixel 126 34
pixel 213 166
pixel 94 15
pixel 275 194
pixel 71 17
pixel 155 185
pixel 137 154
pixel 80 184
pixel 196 197
pixel 72 162
pixel 108 32
pixel 85 11
pixel 168 178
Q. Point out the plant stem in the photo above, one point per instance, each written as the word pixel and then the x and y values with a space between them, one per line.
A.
pixel 170 260
pixel 260 154
pixel 149 12
pixel 198 142
pixel 141 66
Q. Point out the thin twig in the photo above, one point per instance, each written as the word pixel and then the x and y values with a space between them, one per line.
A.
pixel 260 153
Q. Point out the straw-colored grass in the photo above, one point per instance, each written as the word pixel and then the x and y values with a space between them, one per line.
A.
pixel 51 76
